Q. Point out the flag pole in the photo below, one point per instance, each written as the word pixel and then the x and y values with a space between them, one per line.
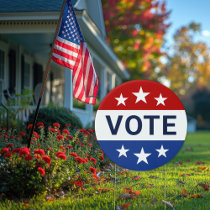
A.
pixel 46 74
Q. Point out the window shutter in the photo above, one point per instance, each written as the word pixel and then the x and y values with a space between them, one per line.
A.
pixel 38 74
pixel 12 71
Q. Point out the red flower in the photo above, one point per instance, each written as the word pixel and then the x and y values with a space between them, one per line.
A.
pixel 4 150
pixel 8 154
pixel 58 153
pixel 52 130
pixel 40 124
pixel 10 145
pixel 64 150
pixel 12 137
pixel 68 125
pixel 69 146
pixel 100 151
pixel 95 176
pixel 80 160
pixel 65 131
pixel 29 126
pixel 57 125
pixel 60 137
pixel 90 145
pixel 70 137
pixel 35 133
pixel 73 154
pixel 81 145
pixel 37 157
pixel 47 159
pixel 78 183
pixel 29 157
pixel 21 133
pixel 62 156
pixel 93 159
pixel 39 151
pixel 6 136
pixel 93 170
pixel 24 151
pixel 102 158
pixel 16 150
pixel 41 171
pixel 85 132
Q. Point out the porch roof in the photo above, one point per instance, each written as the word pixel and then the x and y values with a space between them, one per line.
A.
pixel 31 5
pixel 32 28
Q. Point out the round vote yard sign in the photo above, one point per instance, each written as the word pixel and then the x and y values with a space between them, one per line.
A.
pixel 141 125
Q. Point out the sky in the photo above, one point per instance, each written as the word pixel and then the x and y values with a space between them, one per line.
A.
pixel 185 11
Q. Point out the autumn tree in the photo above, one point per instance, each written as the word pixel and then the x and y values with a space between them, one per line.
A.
pixel 135 30
pixel 188 68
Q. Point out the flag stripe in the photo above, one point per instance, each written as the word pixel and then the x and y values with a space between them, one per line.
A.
pixel 61 62
pixel 67 44
pixel 78 81
pixel 65 55
pixel 65 60
pixel 67 51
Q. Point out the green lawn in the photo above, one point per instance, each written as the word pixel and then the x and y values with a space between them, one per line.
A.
pixel 175 183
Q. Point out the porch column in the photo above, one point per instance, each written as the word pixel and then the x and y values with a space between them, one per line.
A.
pixel 103 82
pixel 68 90
pixel 89 109
pixel 18 70
pixel 111 81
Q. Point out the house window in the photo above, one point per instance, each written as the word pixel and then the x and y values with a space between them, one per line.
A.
pixel 2 64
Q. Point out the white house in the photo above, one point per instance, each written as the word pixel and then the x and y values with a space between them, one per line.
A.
pixel 26 33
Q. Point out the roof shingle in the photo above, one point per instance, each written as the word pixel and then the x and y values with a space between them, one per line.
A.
pixel 31 5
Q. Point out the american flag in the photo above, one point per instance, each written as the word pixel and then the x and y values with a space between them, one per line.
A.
pixel 70 50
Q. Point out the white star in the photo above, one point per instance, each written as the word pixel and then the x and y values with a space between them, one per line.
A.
pixel 141 95
pixel 121 100
pixel 122 151
pixel 160 100
pixel 162 151
pixel 142 156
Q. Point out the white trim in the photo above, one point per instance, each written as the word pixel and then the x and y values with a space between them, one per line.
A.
pixel 29 16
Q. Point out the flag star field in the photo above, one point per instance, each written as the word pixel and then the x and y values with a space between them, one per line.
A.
pixel 141 125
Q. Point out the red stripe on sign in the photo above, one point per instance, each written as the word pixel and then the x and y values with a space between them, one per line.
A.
pixel 131 103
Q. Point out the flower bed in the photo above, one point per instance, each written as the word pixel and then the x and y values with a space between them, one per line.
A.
pixel 57 160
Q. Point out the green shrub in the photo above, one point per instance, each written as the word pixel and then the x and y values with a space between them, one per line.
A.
pixel 57 160
pixel 50 115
